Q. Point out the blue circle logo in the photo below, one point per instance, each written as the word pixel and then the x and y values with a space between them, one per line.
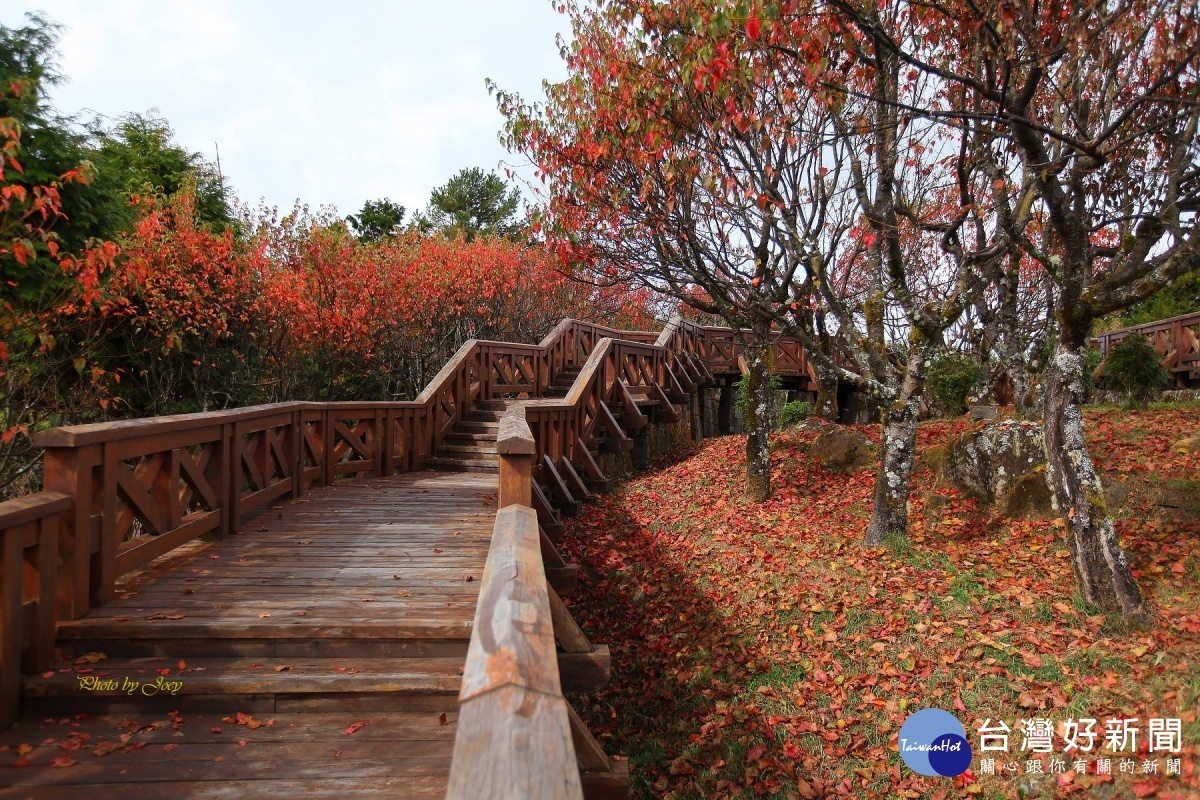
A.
pixel 933 742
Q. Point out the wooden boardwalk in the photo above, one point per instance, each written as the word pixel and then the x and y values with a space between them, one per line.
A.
pixel 318 652
pixel 283 601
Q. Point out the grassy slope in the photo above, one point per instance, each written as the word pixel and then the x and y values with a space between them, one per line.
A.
pixel 760 651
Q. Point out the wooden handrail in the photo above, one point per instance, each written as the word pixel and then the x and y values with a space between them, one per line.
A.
pixel 1159 324
pixel 30 584
pixel 514 735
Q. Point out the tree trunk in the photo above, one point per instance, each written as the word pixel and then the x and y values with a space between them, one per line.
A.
pixel 1105 579
pixel 725 409
pixel 827 394
pixel 893 482
pixel 758 421
pixel 1025 403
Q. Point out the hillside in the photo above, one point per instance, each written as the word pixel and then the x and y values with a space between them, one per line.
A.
pixel 758 650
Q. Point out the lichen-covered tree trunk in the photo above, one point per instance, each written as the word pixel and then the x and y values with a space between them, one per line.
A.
pixel 1025 404
pixel 758 421
pixel 893 482
pixel 894 478
pixel 1105 579
pixel 827 399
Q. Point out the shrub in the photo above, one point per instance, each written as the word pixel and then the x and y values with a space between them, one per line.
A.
pixel 951 380
pixel 794 412
pixel 741 393
pixel 1135 369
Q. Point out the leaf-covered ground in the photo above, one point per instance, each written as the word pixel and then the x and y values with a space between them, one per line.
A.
pixel 761 651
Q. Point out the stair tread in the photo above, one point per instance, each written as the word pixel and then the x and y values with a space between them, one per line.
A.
pixel 254 676
pixel 378 624
pixel 455 449
pixel 467 436
pixel 465 464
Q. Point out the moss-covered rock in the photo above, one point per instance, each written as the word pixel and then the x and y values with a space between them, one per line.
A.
pixel 1189 444
pixel 840 449
pixel 988 462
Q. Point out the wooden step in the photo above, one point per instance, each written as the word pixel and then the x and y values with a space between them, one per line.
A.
pixel 470 449
pixel 116 680
pixel 152 756
pixel 283 627
pixel 267 684
pixel 265 647
pixel 464 464
pixel 496 405
pixel 484 416
pixel 481 426
pixel 467 437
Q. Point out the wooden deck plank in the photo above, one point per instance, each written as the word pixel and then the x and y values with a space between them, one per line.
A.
pixel 353 604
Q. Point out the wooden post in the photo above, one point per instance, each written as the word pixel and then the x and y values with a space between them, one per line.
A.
pixel 28 545
pixel 297 429
pixel 514 442
pixel 68 470
pixel 11 558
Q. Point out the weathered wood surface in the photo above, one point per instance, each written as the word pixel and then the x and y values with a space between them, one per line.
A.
pixel 277 538
pixel 394 754
pixel 351 605
pixel 390 558
pixel 515 740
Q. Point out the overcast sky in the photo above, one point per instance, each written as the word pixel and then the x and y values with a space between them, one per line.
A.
pixel 328 102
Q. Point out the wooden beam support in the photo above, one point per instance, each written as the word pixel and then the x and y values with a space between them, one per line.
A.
pixel 551 558
pixel 683 377
pixel 605 418
pixel 706 376
pixel 616 441
pixel 585 672
pixel 563 499
pixel 589 752
pixel 548 517
pixel 675 392
pixel 666 409
pixel 567 633
pixel 611 785
pixel 633 418
pixel 590 468
pixel 574 482
pixel 564 579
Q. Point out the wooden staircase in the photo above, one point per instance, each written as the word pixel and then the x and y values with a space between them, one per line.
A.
pixel 563 381
pixel 471 446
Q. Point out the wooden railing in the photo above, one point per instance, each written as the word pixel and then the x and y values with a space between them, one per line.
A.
pixel 601 398
pixel 517 737
pixel 31 589
pixel 140 488
pixel 719 349
pixel 1176 339
pixel 121 494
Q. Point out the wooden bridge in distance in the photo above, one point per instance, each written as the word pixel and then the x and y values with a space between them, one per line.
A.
pixel 287 600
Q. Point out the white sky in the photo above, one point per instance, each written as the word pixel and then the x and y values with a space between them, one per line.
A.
pixel 331 103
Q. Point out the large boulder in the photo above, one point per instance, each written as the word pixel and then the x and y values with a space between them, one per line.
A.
pixel 840 449
pixel 1002 464
pixel 1187 445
